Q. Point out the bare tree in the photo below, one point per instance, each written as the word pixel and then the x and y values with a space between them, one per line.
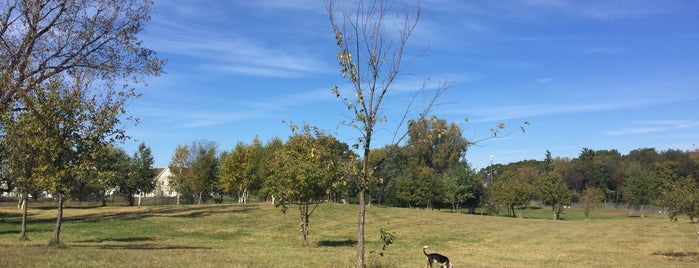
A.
pixel 370 54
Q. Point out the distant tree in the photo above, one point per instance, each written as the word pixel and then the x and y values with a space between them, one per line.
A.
pixel 511 191
pixel 240 169
pixel 112 167
pixel 552 190
pixel 305 170
pixel 590 197
pixel 644 157
pixel 180 168
pixel 433 147
pixel 461 186
pixel 142 174
pixel 194 171
pixel 204 169
pixel 393 163
pixel 641 187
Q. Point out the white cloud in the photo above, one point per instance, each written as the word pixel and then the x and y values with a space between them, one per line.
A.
pixel 655 126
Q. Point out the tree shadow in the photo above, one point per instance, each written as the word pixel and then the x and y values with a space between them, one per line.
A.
pixel 126 239
pixel 678 255
pixel 130 243
pixel 338 243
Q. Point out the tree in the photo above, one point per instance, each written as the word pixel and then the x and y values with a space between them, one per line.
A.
pixel 194 171
pixel 461 185
pixel 432 148
pixel 511 191
pixel 305 170
pixel 43 39
pixel 682 197
pixel 112 167
pixel 589 198
pixel 371 61
pixel 180 172
pixel 641 187
pixel 71 128
pixel 142 175
pixel 552 190
pixel 60 61
pixel 241 169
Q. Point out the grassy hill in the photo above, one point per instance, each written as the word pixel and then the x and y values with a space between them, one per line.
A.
pixel 259 235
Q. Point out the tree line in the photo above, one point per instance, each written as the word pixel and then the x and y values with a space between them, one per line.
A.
pixel 430 171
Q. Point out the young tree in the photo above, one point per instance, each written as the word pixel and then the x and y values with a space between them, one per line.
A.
pixel 682 197
pixel 371 61
pixel 305 171
pixel 180 172
pixel 552 190
pixel 590 197
pixel 72 127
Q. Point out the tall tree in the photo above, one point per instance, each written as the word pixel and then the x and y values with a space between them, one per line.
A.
pixel 306 169
pixel 72 128
pixel 72 54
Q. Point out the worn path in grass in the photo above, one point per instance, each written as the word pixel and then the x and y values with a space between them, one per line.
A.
pixel 261 236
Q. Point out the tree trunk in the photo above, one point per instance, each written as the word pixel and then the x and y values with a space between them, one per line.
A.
pixel 59 220
pixel 360 230
pixel 23 231
pixel 303 211
pixel 104 198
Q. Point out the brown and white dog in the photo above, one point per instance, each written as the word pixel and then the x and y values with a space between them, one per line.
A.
pixel 437 258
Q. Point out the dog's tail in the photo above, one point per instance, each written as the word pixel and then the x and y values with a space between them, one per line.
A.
pixel 423 250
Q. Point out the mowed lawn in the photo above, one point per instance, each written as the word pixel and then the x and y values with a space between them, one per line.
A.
pixel 259 235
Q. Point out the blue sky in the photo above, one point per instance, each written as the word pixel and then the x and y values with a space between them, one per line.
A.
pixel 611 74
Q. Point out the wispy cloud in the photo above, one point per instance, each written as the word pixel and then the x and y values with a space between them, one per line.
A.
pixel 236 50
pixel 500 113
pixel 223 112
pixel 655 126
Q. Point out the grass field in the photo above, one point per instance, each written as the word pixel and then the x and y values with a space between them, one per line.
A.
pixel 259 235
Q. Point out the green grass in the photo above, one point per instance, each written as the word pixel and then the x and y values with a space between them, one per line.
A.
pixel 259 235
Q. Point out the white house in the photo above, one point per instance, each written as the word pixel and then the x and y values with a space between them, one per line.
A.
pixel 163 187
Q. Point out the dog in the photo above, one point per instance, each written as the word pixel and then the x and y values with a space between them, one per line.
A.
pixel 437 258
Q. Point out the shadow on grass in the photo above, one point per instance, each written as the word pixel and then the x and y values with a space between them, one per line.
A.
pixel 127 239
pixel 130 243
pixel 340 243
pixel 147 246
pixel 187 211
pixel 681 256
